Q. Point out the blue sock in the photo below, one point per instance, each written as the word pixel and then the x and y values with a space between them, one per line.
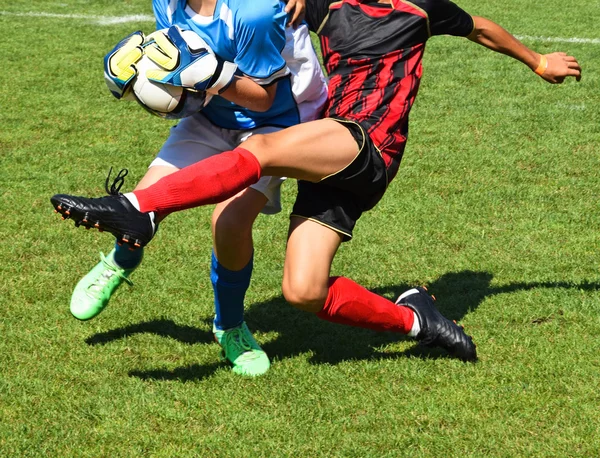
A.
pixel 230 288
pixel 126 258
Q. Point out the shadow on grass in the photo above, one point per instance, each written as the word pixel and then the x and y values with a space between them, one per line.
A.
pixel 163 328
pixel 299 332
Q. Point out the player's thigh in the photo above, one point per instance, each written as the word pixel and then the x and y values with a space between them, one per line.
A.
pixel 310 251
pixel 309 151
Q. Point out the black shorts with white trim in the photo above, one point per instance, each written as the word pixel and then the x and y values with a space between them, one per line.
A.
pixel 339 200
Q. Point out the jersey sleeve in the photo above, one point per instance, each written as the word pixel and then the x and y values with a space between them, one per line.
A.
pixel 447 18
pixel 162 14
pixel 260 38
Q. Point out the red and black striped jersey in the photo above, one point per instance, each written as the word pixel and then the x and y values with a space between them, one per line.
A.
pixel 372 52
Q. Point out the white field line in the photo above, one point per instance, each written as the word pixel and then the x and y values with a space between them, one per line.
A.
pixel 589 41
pixel 98 20
pixel 109 20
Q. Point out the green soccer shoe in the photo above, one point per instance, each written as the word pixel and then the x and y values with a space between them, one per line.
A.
pixel 92 293
pixel 242 351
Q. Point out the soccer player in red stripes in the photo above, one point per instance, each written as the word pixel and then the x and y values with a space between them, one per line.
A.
pixel 373 53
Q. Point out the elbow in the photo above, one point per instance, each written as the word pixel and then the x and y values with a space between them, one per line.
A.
pixel 263 105
pixel 267 98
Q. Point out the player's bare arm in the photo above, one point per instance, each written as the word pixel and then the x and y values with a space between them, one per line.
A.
pixel 168 50
pixel 554 67
pixel 249 94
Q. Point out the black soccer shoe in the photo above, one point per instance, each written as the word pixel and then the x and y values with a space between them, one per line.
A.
pixel 113 213
pixel 435 329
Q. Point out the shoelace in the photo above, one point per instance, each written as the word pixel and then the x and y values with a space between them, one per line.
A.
pixel 106 276
pixel 115 190
pixel 237 339
pixel 117 183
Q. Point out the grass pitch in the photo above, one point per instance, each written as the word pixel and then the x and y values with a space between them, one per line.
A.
pixel 495 208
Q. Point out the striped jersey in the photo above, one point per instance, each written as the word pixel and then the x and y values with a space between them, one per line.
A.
pixel 373 52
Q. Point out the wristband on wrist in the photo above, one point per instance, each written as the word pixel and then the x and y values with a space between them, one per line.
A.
pixel 541 68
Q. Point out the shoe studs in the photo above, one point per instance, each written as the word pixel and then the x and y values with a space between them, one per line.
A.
pixel 133 244
pixel 88 220
pixel 64 212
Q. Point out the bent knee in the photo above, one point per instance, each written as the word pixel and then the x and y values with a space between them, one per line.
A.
pixel 265 147
pixel 256 142
pixel 304 295
pixel 234 224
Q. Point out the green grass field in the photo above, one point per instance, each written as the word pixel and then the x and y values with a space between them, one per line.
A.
pixel 495 208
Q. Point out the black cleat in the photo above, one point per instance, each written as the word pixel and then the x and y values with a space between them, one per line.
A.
pixel 435 329
pixel 113 213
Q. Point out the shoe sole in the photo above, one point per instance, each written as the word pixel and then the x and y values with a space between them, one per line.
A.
pixel 84 219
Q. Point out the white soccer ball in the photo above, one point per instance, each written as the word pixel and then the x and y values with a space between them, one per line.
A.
pixel 164 100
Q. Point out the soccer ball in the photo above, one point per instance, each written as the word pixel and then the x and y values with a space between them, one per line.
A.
pixel 164 100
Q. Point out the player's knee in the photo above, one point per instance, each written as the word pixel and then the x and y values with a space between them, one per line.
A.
pixel 304 294
pixel 231 224
pixel 263 147
pixel 256 141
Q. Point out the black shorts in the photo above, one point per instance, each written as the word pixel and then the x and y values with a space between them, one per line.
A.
pixel 339 200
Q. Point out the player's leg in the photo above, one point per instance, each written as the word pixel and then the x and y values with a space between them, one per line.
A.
pixel 334 205
pixel 307 284
pixel 314 150
pixel 309 151
pixel 192 140
pixel 93 292
pixel 232 263
pixel 231 270
pixel 310 250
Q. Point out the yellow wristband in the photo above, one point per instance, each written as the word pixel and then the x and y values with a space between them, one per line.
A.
pixel 542 67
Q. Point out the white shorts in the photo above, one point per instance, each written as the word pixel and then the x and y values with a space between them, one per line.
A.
pixel 195 138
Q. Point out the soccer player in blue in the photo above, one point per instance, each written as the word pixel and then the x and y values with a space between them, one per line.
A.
pixel 271 79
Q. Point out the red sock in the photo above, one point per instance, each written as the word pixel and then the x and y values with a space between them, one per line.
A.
pixel 351 304
pixel 210 181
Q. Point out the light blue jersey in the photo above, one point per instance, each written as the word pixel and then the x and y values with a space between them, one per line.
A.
pixel 251 33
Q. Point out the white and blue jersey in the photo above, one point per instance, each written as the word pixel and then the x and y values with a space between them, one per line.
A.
pixel 253 34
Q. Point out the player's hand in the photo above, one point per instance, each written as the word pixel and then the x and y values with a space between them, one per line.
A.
pixel 187 61
pixel 296 10
pixel 119 64
pixel 560 66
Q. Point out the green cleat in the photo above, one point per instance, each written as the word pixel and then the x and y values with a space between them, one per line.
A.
pixel 92 293
pixel 241 350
